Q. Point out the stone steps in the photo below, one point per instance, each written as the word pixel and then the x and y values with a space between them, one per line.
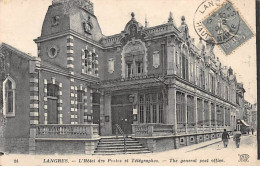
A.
pixel 113 146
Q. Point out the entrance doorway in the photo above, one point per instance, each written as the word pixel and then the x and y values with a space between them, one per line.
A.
pixel 123 116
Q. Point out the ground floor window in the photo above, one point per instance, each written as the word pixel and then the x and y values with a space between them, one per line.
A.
pixel 9 97
pixel 206 112
pixel 180 107
pixel 190 110
pixel 227 117
pixel 150 108
pixel 213 114
pixel 200 111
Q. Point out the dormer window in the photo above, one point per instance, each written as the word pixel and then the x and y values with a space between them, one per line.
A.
pixel 134 60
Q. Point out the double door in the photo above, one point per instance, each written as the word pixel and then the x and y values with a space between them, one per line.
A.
pixel 123 116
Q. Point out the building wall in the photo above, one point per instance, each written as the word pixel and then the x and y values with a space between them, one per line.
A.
pixel 16 129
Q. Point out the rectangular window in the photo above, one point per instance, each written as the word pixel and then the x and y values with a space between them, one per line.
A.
pixel 148 108
pixel 190 110
pixel 180 107
pixel 206 112
pixel 151 108
pixel 80 101
pixel 213 84
pixel 129 70
pixel 139 67
pixel 141 108
pixel 200 111
pixel 227 117
pixel 183 67
pixel 213 114
pixel 154 113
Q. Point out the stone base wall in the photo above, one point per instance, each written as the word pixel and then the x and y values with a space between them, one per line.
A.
pixel 14 145
pixel 65 146
pixel 158 144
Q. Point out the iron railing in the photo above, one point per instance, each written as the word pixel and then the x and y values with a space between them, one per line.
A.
pixel 118 128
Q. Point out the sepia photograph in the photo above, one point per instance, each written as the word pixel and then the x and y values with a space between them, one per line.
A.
pixel 128 83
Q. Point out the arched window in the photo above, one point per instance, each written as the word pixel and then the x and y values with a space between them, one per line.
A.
pixel 9 97
pixel 134 60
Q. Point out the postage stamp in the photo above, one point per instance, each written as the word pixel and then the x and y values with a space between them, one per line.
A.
pixel 127 82
pixel 219 22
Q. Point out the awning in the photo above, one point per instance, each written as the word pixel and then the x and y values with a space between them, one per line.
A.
pixel 243 122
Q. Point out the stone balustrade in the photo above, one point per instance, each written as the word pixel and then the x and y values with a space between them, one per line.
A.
pixel 152 129
pixel 87 131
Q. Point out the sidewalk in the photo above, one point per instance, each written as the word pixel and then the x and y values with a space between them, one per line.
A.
pixel 200 145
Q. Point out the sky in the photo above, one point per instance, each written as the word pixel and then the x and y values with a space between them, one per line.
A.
pixel 21 22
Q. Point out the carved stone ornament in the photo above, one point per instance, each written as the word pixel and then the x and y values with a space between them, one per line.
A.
pixel 88 26
pixel 156 59
pixel 55 20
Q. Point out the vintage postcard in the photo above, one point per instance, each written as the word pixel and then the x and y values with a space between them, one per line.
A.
pixel 128 82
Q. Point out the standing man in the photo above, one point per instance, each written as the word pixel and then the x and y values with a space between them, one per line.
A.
pixel 252 131
pixel 225 137
pixel 236 137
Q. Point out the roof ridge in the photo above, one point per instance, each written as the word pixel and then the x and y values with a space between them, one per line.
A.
pixel 19 52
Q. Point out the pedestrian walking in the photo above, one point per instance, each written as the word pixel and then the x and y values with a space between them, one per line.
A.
pixel 252 130
pixel 236 137
pixel 225 137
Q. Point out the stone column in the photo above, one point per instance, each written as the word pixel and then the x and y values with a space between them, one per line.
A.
pixel 107 128
pixel 170 116
pixel 174 112
pixel 102 113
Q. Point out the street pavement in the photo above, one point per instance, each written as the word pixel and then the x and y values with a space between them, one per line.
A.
pixel 213 153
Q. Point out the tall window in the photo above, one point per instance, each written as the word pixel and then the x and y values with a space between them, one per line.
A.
pixel 80 106
pixel 213 114
pixel 180 107
pixel 218 115
pixel 52 96
pixel 151 108
pixel 9 97
pixel 185 67
pixel 80 96
pixel 206 112
pixel 200 111
pixel 141 108
pixel 227 93
pixel 148 108
pixel 219 89
pixel 227 117
pixel 202 78
pixel 160 104
pixel 90 61
pixel 190 110
pixel 213 84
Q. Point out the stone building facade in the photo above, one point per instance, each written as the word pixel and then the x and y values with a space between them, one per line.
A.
pixel 155 83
